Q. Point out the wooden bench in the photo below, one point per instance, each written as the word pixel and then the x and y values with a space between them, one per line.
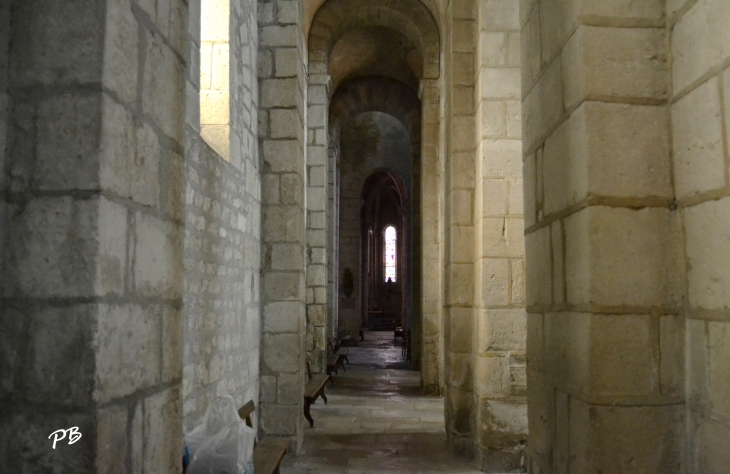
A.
pixel 313 389
pixel 336 347
pixel 399 332
pixel 268 453
pixel 334 364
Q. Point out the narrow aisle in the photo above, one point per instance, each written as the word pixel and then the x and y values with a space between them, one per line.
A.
pixel 376 420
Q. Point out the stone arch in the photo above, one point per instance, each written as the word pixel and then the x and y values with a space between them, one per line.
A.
pixel 382 95
pixel 408 17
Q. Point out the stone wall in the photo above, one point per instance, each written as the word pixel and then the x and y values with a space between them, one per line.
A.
pixel 222 229
pixel 282 126
pixel 500 384
pixel 604 260
pixel 319 222
pixel 92 273
pixel 700 114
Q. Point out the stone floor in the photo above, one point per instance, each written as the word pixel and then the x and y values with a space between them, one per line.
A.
pixel 376 420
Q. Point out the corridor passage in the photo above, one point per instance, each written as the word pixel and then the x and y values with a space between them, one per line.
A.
pixel 376 420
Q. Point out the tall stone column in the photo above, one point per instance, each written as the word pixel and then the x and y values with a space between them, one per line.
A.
pixel 499 367
pixel 604 267
pixel 282 125
pixel 91 291
pixel 431 247
pixel 700 52
pixel 459 314
pixel 318 226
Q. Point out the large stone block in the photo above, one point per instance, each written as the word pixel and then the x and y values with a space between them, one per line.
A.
pixel 542 108
pixel 460 284
pixel 708 234
pixel 172 344
pixel 500 15
pixel 68 143
pixel 287 257
pixel 495 281
pixel 162 429
pixel 112 441
pixel 59 43
pixel 290 388
pixel 52 248
pixel 673 351
pixel 461 330
pixel 529 194
pixel 282 286
pixel 539 282
pixel 535 342
pixel 697 137
pixel 568 348
pixel 500 83
pixel 283 317
pixel 541 423
pixel 719 367
pixel 163 96
pixel 129 351
pixel 708 439
pixel 280 93
pixel 503 237
pixel 501 158
pixel 491 376
pixel 502 330
pixel 699 42
pixel 614 63
pixel 121 44
pixel 158 268
pixel 281 353
pixel 284 156
pixel 283 223
pixel 558 19
pixel 280 420
pixel 59 364
pixel 618 256
pixel 697 363
pixel 623 358
pixel 635 439
pixel 27 448
pixel 607 150
pixel 111 259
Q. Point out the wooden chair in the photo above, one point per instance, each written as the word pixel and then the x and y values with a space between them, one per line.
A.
pixel 313 389
pixel 268 453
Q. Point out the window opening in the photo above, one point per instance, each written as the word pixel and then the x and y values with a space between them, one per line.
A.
pixel 390 254
pixel 215 76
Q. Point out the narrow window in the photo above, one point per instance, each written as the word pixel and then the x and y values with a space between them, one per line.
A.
pixel 215 75
pixel 390 240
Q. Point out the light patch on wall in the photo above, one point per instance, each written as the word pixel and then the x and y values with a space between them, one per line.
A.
pixel 215 116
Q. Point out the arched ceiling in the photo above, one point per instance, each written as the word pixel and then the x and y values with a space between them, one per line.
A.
pixel 379 94
pixel 311 7
pixel 409 19
pixel 375 51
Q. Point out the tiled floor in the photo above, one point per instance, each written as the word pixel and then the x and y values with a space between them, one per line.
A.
pixel 376 420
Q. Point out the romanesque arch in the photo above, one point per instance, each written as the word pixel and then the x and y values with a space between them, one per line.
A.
pixel 409 17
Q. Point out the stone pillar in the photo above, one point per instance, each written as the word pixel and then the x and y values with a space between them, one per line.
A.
pixel 700 52
pixel 459 315
pixel 604 264
pixel 318 227
pixel 432 249
pixel 282 124
pixel 92 272
pixel 499 367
